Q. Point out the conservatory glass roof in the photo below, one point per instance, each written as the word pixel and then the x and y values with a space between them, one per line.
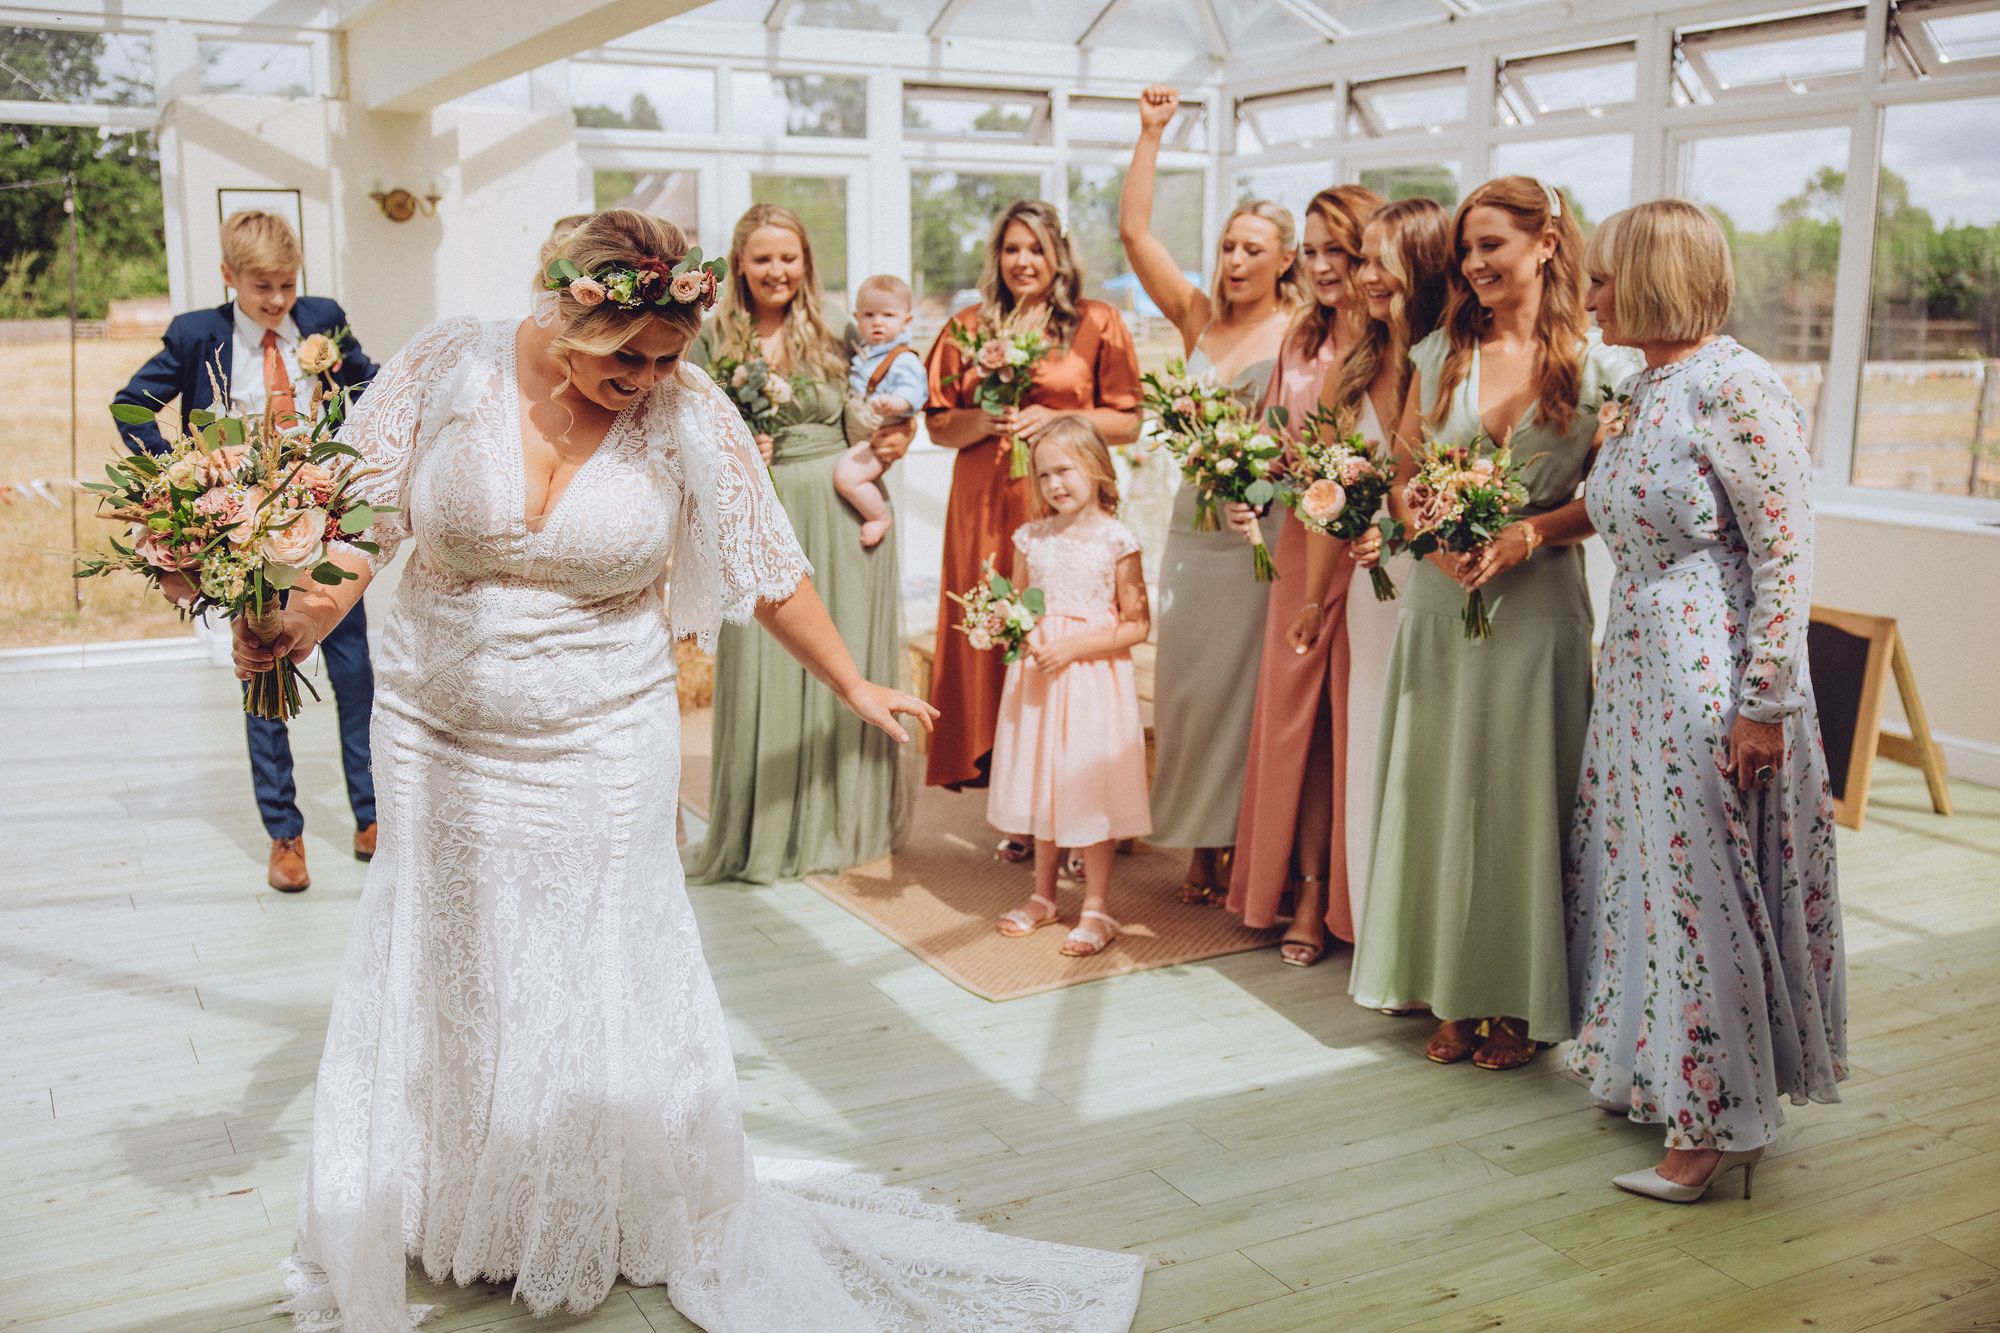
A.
pixel 1210 27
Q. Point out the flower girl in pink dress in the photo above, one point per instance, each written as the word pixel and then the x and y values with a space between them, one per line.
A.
pixel 1069 758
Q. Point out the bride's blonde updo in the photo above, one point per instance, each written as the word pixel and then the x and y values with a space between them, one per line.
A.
pixel 623 238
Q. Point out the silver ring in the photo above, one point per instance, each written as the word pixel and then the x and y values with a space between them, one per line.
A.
pixel 1765 772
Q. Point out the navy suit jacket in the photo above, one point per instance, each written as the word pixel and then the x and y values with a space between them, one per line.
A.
pixel 201 338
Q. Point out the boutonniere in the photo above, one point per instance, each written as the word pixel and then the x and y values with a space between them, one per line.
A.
pixel 1615 413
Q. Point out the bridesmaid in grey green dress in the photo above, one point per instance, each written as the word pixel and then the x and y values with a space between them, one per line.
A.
pixel 1482 738
pixel 1211 618
pixel 797 785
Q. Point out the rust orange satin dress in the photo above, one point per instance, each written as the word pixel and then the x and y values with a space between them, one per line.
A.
pixel 1292 689
pixel 1098 369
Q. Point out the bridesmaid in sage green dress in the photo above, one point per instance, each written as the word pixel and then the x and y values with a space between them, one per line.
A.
pixel 1482 738
pixel 796 786
pixel 1210 632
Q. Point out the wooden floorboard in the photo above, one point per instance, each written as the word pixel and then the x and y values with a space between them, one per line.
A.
pixel 1285 1160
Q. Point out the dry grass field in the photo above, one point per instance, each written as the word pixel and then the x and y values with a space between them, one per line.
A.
pixel 38 596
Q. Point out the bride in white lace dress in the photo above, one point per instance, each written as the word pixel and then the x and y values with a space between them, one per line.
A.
pixel 526 1071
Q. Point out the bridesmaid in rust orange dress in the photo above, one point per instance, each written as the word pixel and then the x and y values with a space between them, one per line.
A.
pixel 1032 279
pixel 1290 834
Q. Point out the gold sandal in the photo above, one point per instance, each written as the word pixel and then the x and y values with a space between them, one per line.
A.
pixel 1452 1041
pixel 1507 1045
pixel 1304 953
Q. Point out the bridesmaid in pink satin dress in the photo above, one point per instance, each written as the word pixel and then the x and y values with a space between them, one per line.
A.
pixel 1291 854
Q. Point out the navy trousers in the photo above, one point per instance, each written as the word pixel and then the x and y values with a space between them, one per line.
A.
pixel 345 652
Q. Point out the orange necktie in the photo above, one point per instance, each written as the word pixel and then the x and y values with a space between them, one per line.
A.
pixel 277 384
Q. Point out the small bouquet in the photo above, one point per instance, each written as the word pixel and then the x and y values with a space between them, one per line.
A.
pixel 1459 501
pixel 1000 365
pixel 1338 485
pixel 759 393
pixel 1188 407
pixel 996 616
pixel 1614 413
pixel 242 508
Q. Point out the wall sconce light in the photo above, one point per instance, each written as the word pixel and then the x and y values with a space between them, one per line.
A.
pixel 400 205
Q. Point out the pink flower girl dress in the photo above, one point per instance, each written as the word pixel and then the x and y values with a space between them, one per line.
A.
pixel 1069 757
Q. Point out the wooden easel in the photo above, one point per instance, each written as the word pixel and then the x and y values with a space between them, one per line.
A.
pixel 1850 669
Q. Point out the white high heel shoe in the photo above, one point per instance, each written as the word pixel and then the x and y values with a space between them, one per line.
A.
pixel 1656 1186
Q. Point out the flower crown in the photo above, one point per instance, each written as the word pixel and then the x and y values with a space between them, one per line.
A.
pixel 650 282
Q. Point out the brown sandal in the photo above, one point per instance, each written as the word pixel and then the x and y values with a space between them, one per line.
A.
pixel 1506 1046
pixel 1202 895
pixel 1452 1041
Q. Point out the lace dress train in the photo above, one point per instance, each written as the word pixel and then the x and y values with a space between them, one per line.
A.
pixel 527 1074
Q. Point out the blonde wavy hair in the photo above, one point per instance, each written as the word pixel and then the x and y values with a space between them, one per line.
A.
pixel 1534 209
pixel 617 237
pixel 811 347
pixel 1291 283
pixel 1065 292
pixel 1079 439
pixel 1345 209
pixel 1416 251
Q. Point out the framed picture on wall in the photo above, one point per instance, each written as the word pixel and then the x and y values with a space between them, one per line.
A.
pixel 284 203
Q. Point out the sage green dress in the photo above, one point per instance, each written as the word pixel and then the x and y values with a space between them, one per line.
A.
pixel 1480 747
pixel 798 784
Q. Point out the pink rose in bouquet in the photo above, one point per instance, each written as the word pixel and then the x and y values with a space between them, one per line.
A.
pixel 1338 484
pixel 999 365
pixel 992 355
pixel 1460 498
pixel 1323 501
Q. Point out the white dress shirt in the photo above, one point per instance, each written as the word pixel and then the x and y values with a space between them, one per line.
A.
pixel 246 371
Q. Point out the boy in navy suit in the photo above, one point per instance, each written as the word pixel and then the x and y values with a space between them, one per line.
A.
pixel 253 345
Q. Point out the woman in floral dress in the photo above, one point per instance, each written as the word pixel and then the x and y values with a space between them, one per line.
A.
pixel 1704 931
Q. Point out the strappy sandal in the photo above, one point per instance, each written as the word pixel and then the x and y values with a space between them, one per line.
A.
pixel 1453 1040
pixel 1086 940
pixel 1303 953
pixel 1013 851
pixel 1018 923
pixel 1506 1046
pixel 1202 895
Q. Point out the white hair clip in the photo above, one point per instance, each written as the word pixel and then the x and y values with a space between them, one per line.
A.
pixel 1555 200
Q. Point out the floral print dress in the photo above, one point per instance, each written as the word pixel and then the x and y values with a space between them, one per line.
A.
pixel 1706 973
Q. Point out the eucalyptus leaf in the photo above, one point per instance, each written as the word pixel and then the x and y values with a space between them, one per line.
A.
pixel 330 574
pixel 357 519
pixel 1259 492
pixel 132 414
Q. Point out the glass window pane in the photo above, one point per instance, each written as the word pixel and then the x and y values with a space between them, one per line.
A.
pixel 1568 85
pixel 950 214
pixel 1944 38
pixel 610 96
pixel 1057 21
pixel 1284 119
pixel 1093 224
pixel 1431 180
pixel 1966 36
pixel 810 106
pixel 1293 185
pixel 1594 172
pixel 1378 15
pixel 936 111
pixel 821 203
pixel 123 308
pixel 1418 102
pixel 1113 122
pixel 257 69
pixel 867 15
pixel 1930 394
pixel 1253 24
pixel 670 193
pixel 1779 200
pixel 92 68
pixel 1155 25
pixel 1771 57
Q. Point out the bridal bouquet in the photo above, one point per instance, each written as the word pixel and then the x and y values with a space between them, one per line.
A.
pixel 1338 484
pixel 1459 501
pixel 1000 365
pixel 996 616
pixel 1188 406
pixel 242 508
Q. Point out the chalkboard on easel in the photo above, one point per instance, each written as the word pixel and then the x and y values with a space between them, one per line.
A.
pixel 1851 656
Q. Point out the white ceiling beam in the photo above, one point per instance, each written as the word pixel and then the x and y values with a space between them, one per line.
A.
pixel 1100 23
pixel 780 10
pixel 1315 18
pixel 941 25
pixel 418 54
pixel 1211 23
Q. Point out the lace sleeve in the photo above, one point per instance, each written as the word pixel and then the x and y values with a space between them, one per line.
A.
pixel 735 548
pixel 1121 541
pixel 390 420
pixel 1750 429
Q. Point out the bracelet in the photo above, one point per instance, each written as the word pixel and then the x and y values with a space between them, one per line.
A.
pixel 1310 606
pixel 1533 534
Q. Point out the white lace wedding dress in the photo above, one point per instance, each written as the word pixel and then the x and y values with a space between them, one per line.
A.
pixel 526 1072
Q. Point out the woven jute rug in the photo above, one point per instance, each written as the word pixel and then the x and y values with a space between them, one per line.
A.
pixel 939 895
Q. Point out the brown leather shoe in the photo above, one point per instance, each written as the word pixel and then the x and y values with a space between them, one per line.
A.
pixel 364 843
pixel 288 865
